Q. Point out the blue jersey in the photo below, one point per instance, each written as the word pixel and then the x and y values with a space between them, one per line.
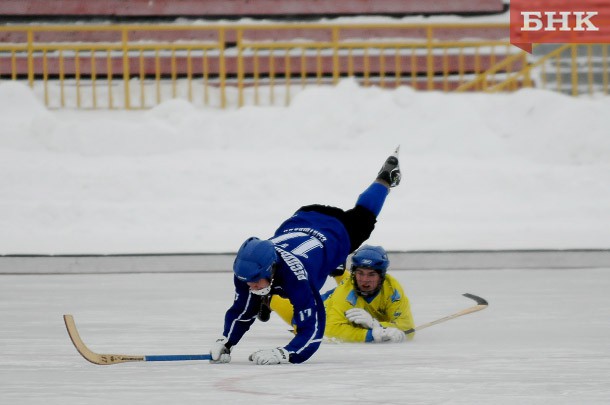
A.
pixel 309 245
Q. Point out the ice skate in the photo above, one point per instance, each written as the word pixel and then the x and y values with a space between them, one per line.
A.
pixel 390 172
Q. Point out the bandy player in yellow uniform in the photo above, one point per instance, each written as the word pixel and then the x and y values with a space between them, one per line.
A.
pixel 369 305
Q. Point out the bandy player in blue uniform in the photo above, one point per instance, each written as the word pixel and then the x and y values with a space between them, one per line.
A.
pixel 294 264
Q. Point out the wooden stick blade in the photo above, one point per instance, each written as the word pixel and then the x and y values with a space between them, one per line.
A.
pixel 95 358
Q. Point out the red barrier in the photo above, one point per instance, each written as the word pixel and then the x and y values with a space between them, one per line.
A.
pixel 490 33
pixel 278 64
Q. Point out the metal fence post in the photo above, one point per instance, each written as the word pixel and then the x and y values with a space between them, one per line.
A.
pixel 125 48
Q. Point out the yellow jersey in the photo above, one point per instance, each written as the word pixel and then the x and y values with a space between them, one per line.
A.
pixel 390 306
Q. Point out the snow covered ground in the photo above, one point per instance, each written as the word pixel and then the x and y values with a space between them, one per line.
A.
pixel 542 340
pixel 524 170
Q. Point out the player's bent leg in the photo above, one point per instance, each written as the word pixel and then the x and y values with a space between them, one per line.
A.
pixel 283 308
pixel 373 198
pixel 359 223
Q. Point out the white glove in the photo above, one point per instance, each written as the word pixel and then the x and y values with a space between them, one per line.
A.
pixel 271 356
pixel 361 317
pixel 219 351
pixel 388 335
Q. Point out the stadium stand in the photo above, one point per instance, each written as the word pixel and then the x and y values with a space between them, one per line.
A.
pixel 241 8
pixel 413 68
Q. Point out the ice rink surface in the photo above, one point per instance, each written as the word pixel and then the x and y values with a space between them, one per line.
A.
pixel 542 340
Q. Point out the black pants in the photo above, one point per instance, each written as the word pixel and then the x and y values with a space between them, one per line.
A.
pixel 358 221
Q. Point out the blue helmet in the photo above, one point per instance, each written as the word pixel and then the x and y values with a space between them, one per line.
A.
pixel 255 259
pixel 371 257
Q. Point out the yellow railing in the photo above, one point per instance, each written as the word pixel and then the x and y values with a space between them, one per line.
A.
pixel 482 82
pixel 109 62
pixel 140 66
pixel 574 69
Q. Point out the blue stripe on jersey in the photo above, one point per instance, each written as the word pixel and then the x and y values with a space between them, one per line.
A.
pixel 239 317
pixel 395 296
pixel 312 339
pixel 352 297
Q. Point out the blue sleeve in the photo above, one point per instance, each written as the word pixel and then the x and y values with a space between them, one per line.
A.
pixel 309 319
pixel 242 313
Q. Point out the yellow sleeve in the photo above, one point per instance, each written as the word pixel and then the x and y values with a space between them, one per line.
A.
pixel 397 310
pixel 337 325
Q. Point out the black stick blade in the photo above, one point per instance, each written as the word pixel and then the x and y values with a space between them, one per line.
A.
pixel 479 300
